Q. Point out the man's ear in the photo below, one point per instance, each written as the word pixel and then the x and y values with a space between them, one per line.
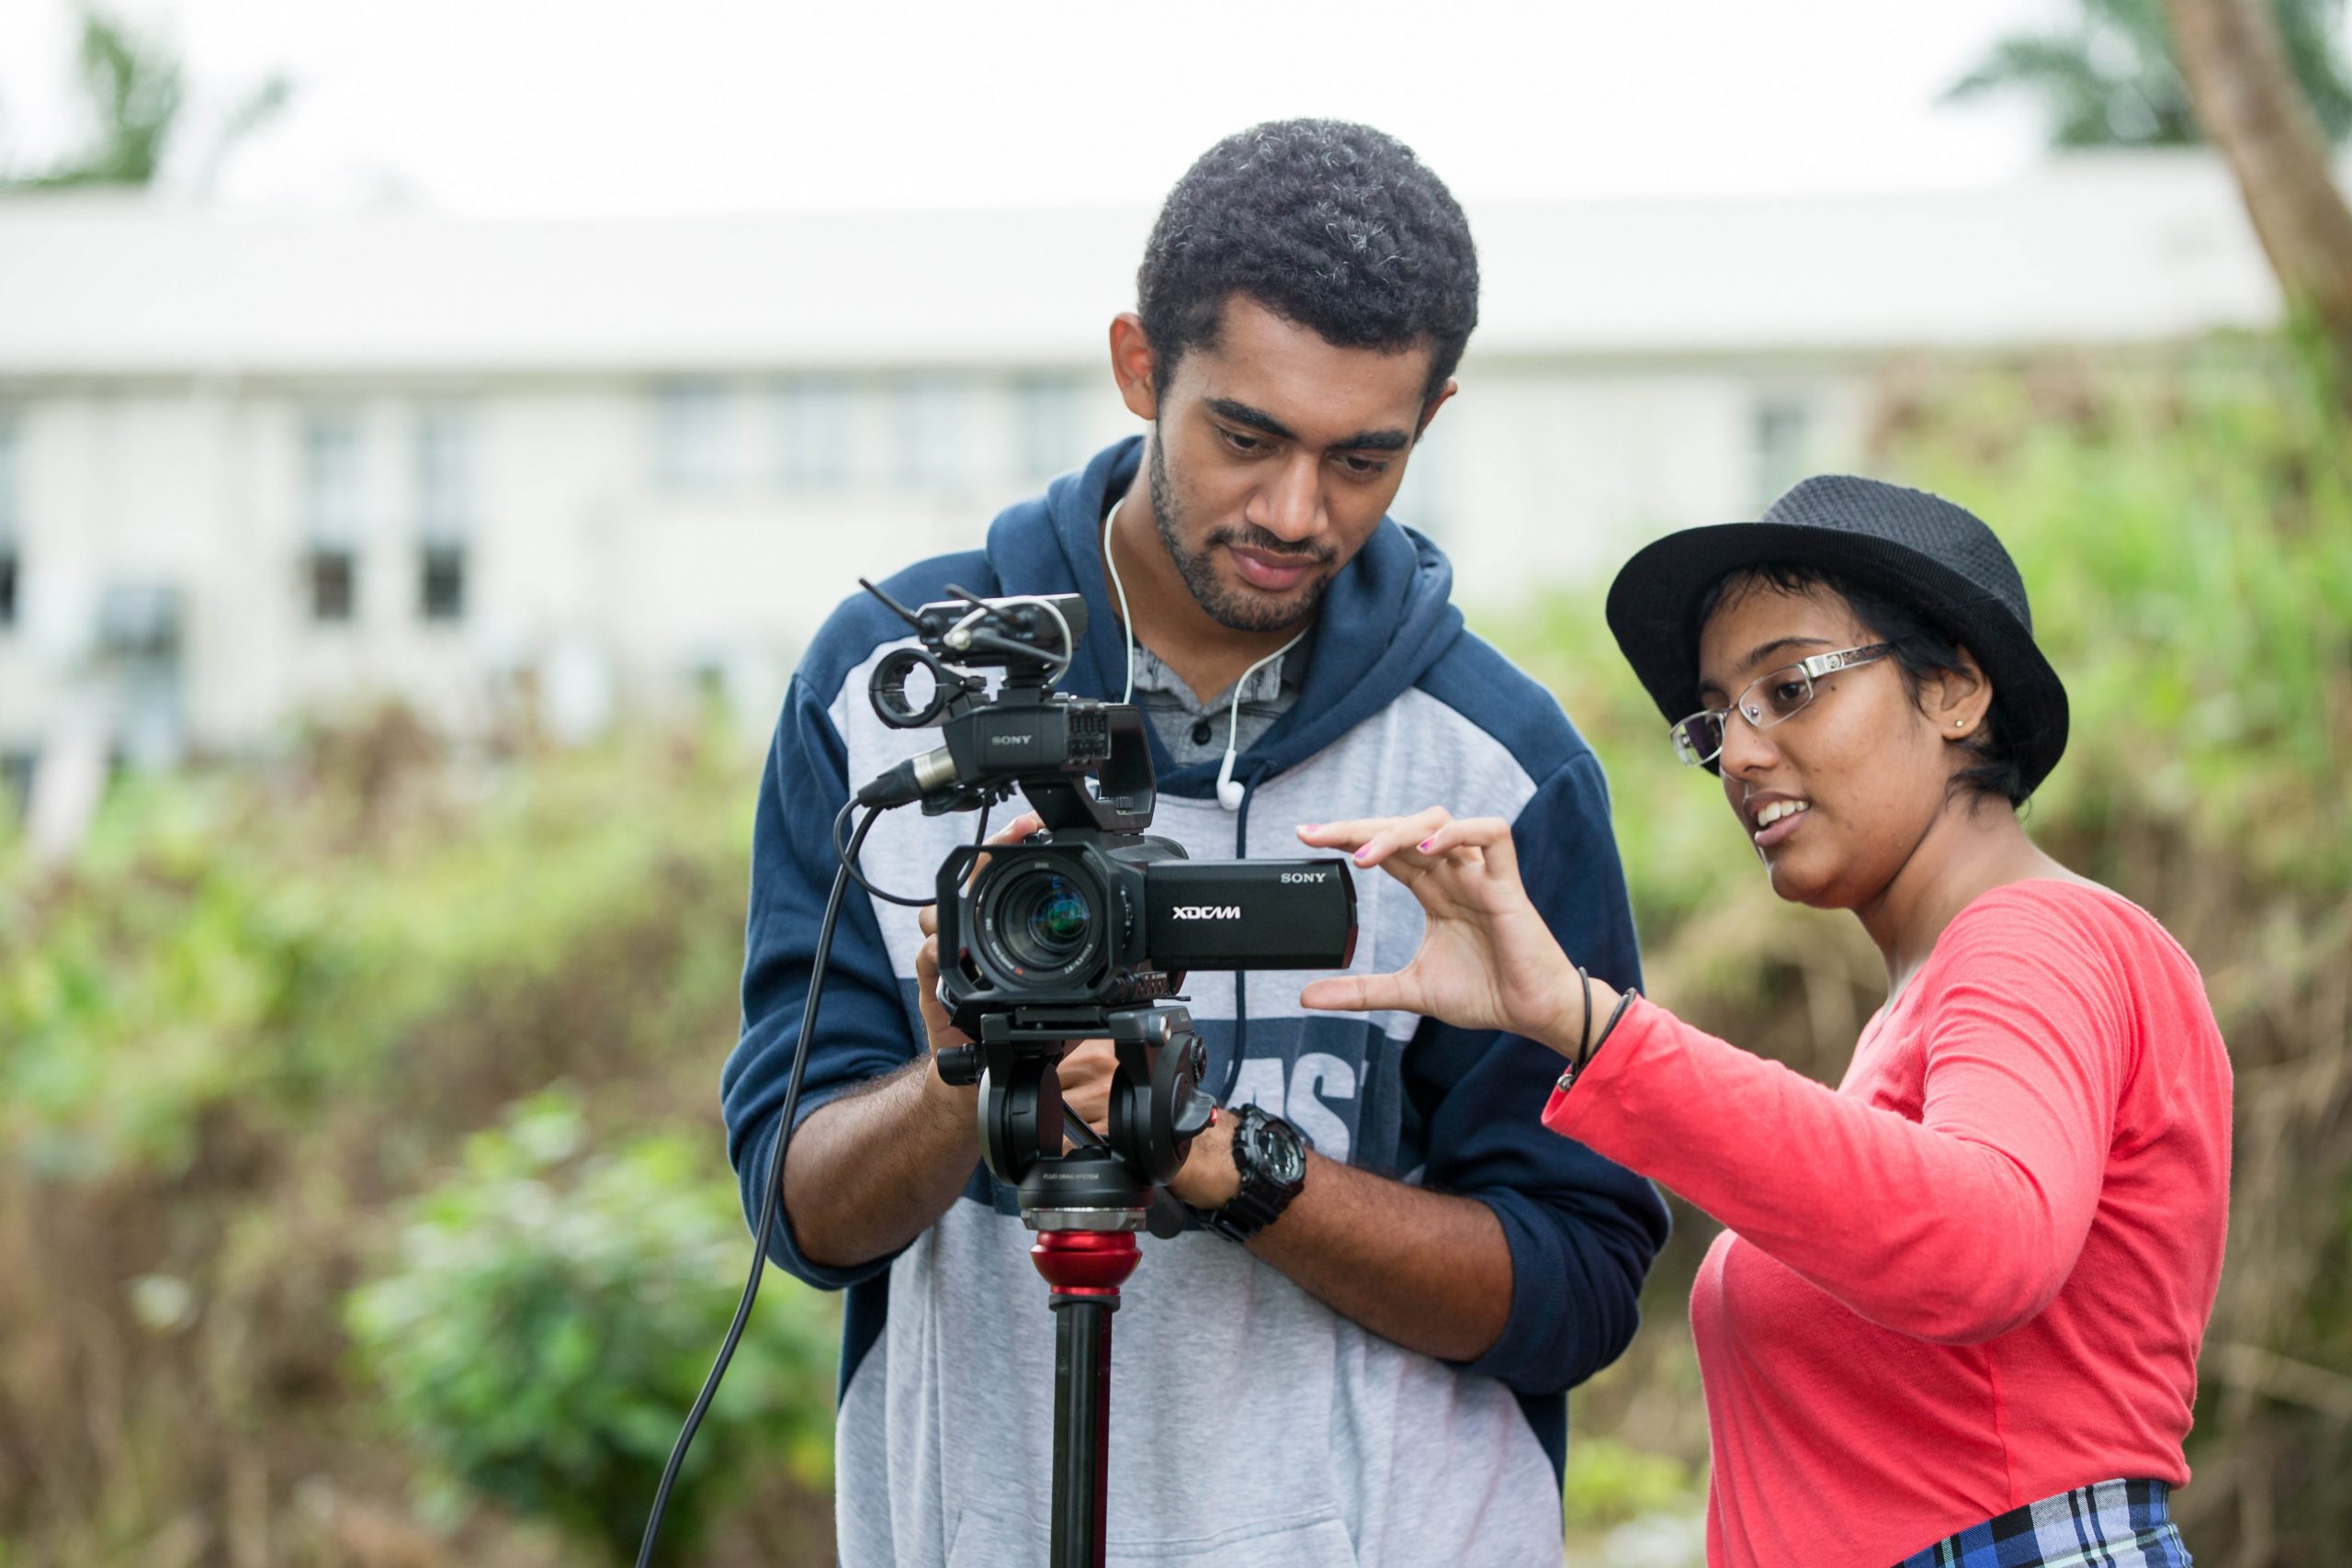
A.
pixel 1135 366
pixel 1959 700
pixel 1428 410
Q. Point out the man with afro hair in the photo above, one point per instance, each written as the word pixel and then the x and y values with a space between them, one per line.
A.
pixel 1364 1363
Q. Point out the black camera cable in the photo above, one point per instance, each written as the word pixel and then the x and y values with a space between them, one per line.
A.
pixel 847 854
pixel 772 1184
pixel 772 1179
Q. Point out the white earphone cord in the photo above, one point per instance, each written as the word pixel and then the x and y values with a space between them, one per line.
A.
pixel 1126 622
pixel 1228 794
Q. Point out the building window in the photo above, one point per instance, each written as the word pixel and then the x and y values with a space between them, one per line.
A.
pixel 934 433
pixel 334 581
pixel 692 428
pixel 331 494
pixel 444 470
pixel 1783 432
pixel 11 567
pixel 332 505
pixel 1046 412
pixel 813 433
pixel 445 501
pixel 16 781
pixel 442 594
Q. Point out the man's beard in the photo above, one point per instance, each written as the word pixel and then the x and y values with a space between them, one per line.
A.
pixel 1235 612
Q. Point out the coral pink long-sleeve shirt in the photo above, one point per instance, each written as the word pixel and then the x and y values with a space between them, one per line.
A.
pixel 1977 1272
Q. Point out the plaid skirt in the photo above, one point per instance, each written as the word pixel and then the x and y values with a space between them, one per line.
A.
pixel 2114 1524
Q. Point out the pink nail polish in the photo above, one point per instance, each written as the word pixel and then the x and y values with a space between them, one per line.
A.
pixel 1426 843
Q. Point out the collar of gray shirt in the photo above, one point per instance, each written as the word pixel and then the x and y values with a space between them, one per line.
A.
pixel 1194 730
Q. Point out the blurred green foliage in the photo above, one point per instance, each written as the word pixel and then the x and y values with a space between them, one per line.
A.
pixel 280 942
pixel 2189 547
pixel 2106 75
pixel 551 1315
pixel 265 1009
pixel 133 87
pixel 1611 1484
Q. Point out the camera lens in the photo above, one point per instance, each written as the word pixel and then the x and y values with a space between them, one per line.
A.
pixel 1042 919
pixel 1060 919
pixel 1046 922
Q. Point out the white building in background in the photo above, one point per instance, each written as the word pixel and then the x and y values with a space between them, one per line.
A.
pixel 255 464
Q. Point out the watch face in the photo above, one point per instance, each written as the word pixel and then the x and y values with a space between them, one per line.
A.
pixel 1275 1150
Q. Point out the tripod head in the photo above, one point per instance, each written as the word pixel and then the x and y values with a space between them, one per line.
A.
pixel 1157 1108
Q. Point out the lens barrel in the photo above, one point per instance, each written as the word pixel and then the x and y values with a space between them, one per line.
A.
pixel 1038 917
pixel 1045 920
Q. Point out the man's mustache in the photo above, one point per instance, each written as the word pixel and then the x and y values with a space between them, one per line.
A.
pixel 1268 543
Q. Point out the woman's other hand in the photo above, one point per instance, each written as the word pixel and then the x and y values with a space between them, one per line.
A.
pixel 1486 958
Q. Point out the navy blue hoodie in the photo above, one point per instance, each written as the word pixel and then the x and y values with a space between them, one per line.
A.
pixel 1237 1395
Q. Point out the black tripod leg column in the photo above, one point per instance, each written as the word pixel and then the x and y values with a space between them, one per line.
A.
pixel 1081 1428
pixel 1085 1269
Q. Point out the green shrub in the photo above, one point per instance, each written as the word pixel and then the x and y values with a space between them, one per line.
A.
pixel 1612 1483
pixel 552 1313
pixel 2188 543
pixel 251 939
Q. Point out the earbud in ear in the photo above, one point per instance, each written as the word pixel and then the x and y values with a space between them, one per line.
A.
pixel 1230 789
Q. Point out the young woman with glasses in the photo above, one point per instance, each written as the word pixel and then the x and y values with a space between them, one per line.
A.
pixel 1954 1317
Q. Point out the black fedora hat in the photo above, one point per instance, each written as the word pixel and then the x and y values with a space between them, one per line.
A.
pixel 1912 547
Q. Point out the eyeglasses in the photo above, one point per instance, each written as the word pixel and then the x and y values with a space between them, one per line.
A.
pixel 1771 697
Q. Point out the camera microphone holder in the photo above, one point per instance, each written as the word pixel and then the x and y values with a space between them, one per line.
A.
pixel 1086 1205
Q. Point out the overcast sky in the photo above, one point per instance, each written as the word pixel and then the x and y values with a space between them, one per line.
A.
pixel 532 108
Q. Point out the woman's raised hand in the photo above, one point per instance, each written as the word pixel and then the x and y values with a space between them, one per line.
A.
pixel 1486 958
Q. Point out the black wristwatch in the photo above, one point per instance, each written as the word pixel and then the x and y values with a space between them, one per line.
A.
pixel 1270 1154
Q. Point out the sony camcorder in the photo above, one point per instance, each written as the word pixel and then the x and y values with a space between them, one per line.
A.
pixel 1073 920
pixel 1090 913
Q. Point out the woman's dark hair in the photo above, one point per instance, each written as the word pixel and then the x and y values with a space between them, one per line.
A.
pixel 1922 650
pixel 1334 226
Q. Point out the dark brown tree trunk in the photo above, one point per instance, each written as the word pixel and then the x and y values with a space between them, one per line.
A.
pixel 2249 103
